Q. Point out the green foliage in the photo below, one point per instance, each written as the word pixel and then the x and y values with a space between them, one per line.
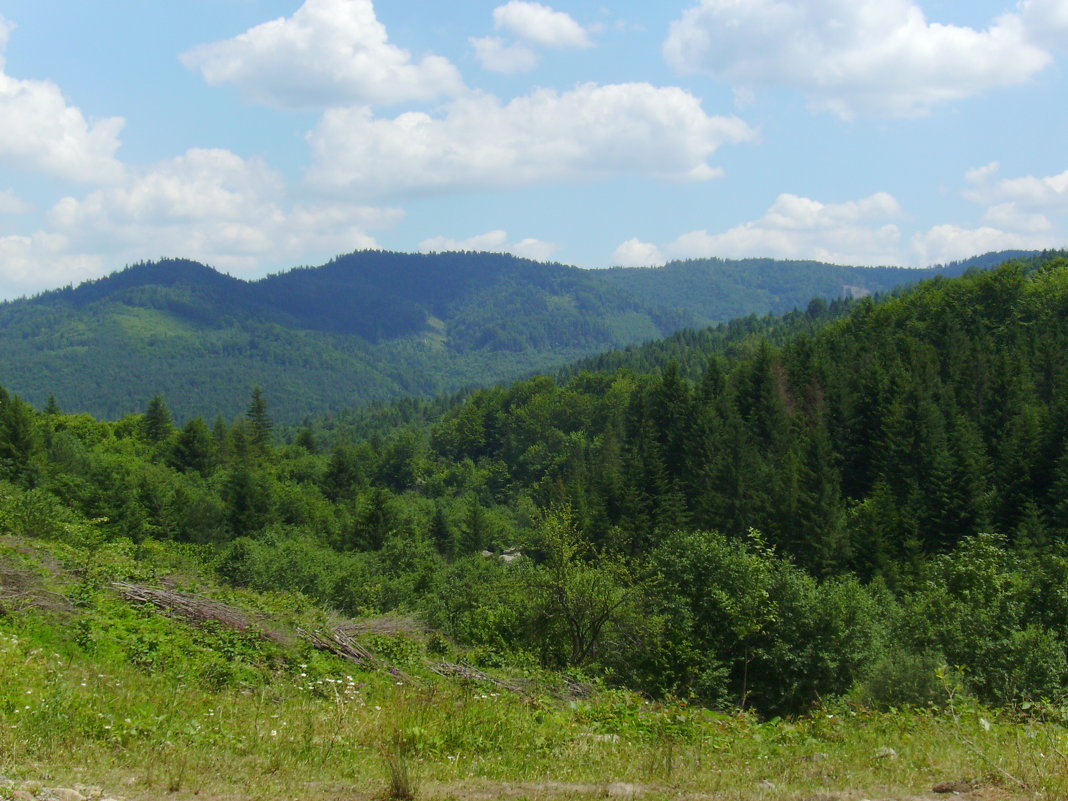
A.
pixel 783 512
pixel 372 326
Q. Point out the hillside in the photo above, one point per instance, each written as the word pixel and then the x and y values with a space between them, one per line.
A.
pixel 832 565
pixel 718 290
pixel 127 673
pixel 369 326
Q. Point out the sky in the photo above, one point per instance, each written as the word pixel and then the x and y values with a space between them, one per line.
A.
pixel 259 135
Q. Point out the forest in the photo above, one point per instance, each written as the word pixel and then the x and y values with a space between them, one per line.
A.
pixel 375 326
pixel 840 502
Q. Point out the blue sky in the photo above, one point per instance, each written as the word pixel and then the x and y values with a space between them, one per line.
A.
pixel 256 135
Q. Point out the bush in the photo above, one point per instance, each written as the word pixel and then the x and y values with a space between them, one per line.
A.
pixel 900 678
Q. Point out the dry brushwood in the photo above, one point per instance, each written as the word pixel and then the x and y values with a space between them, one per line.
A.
pixel 194 608
pixel 471 673
pixel 21 589
pixel 341 644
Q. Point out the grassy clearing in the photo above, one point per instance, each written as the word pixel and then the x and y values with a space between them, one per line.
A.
pixel 99 691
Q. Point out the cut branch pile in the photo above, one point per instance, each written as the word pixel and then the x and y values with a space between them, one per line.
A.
pixel 341 644
pixel 471 673
pixel 194 608
pixel 22 590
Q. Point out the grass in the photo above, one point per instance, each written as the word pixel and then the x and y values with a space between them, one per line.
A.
pixel 119 696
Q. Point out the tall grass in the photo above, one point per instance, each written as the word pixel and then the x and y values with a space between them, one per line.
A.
pixel 146 706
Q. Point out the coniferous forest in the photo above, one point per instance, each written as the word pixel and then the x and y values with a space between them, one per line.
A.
pixel 766 515
pixel 376 326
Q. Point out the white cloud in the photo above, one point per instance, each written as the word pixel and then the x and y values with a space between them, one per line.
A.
pixel 857 56
pixel 10 203
pixel 540 25
pixel 1048 193
pixel 493 242
pixel 30 264
pixel 587 133
pixel 329 53
pixel 635 253
pixel 855 232
pixel 41 132
pixel 1023 204
pixel 209 205
pixel 1011 216
pixel 1046 21
pixel 946 243
pixel 1019 214
pixel 980 175
pixel 496 55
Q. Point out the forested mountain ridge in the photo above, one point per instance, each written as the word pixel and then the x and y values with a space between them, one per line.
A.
pixel 369 326
pixel 718 290
pixel 838 511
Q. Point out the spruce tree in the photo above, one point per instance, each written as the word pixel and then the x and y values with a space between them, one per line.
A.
pixel 157 425
pixel 475 534
pixel 194 450
pixel 306 440
pixel 441 533
pixel 259 422
pixel 16 437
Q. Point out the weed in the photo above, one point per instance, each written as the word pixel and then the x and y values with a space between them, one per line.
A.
pixel 400 783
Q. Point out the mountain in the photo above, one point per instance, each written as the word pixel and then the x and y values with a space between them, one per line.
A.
pixel 718 290
pixel 844 509
pixel 372 326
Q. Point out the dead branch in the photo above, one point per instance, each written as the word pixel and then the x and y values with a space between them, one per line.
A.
pixel 471 673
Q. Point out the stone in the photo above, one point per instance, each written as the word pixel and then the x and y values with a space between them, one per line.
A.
pixel 886 753
pixel 624 790
pixel 65 794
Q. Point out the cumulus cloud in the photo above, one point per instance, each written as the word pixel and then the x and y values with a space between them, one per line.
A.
pixel 42 132
pixel 209 205
pixel 329 53
pixel 1023 204
pixel 859 56
pixel 1046 21
pixel 1019 213
pixel 540 25
pixel 635 253
pixel 496 55
pixel 10 203
pixel 946 243
pixel 492 242
pixel 854 232
pixel 481 143
pixel 32 263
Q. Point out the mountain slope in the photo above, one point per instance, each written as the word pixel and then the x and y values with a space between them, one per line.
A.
pixel 367 326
